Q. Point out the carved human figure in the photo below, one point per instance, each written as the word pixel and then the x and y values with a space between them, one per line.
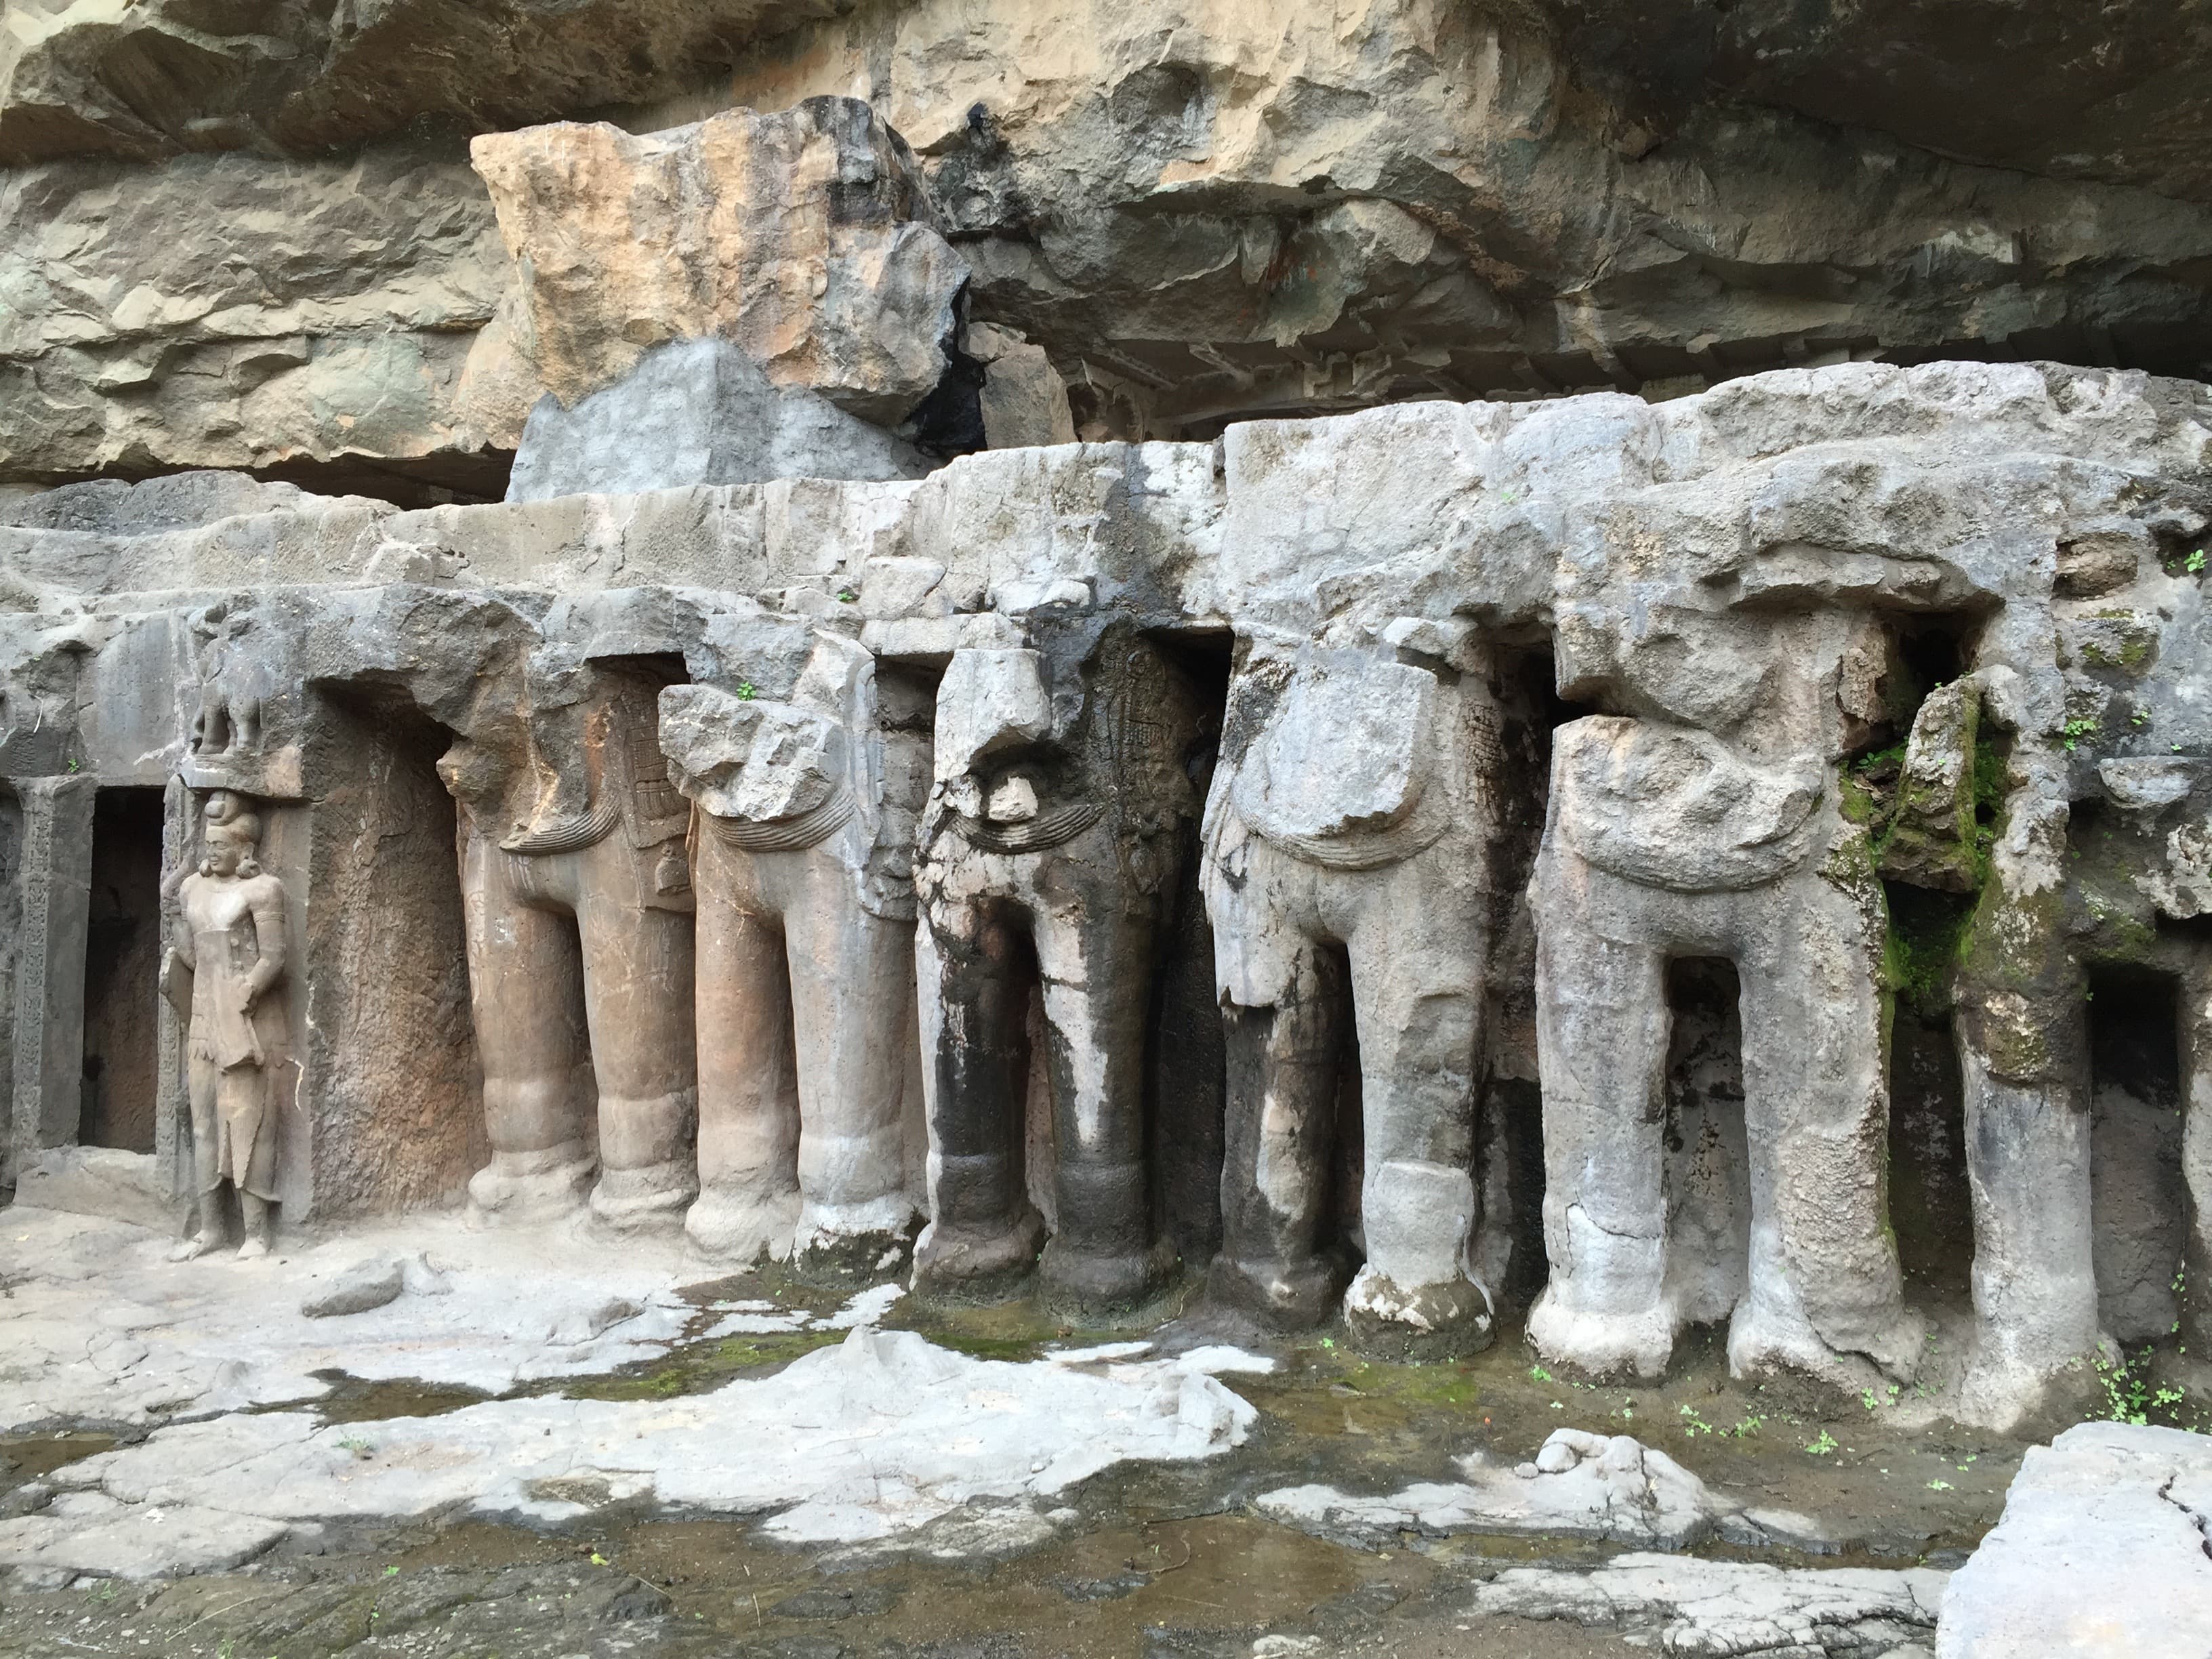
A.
pixel 803 863
pixel 224 975
pixel 1350 825
pixel 577 897
pixel 1708 826
pixel 1053 834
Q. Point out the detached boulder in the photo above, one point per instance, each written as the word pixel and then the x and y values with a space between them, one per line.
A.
pixel 357 1289
pixel 805 236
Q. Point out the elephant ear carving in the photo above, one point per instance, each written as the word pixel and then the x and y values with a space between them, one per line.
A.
pixel 1672 807
pixel 1351 754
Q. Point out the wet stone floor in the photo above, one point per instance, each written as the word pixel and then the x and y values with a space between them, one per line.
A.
pixel 1159 1559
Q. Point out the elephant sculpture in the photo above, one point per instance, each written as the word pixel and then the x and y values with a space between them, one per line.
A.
pixel 1051 850
pixel 577 901
pixel 802 862
pixel 1350 833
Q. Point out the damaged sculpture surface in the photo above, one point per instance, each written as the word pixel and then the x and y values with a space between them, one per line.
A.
pixel 801 861
pixel 224 975
pixel 1349 836
pixel 1789 802
pixel 579 902
pixel 1052 850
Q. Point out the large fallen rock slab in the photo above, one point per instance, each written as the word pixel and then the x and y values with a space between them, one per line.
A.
pixel 878 1437
pixel 1608 1488
pixel 2104 1548
pixel 1685 1605
pixel 804 236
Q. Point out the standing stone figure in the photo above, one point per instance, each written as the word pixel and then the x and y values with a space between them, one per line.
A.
pixel 227 959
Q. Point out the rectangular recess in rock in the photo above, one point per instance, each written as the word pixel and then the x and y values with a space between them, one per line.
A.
pixel 1708 1162
pixel 2138 1197
pixel 122 966
pixel 1931 1205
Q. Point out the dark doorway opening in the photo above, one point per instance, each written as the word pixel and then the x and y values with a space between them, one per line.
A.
pixel 122 972
pixel 1930 1204
pixel 1186 1059
pixel 1708 1179
pixel 2138 1193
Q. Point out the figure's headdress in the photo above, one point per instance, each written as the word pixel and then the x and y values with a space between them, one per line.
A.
pixel 226 820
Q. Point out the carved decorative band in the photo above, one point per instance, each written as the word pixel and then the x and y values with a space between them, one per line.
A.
pixel 1062 823
pixel 793 835
pixel 1419 831
pixel 570 836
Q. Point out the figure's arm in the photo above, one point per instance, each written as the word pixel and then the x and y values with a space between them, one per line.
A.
pixel 180 941
pixel 179 965
pixel 268 906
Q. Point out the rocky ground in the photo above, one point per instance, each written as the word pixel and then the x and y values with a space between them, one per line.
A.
pixel 534 1444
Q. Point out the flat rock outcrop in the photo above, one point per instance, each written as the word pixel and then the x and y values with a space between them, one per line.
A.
pixel 2105 1548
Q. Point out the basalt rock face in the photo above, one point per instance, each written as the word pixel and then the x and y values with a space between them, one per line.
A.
pixel 1297 213
pixel 830 855
pixel 1270 214
pixel 148 78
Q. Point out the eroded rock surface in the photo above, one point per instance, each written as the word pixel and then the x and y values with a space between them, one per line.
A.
pixel 805 236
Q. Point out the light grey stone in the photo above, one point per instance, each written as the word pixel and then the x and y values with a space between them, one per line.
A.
pixel 2104 1548
pixel 357 1289
pixel 692 412
pixel 1580 1484
pixel 1686 1606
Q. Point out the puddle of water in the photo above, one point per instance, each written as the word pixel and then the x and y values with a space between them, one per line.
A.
pixel 363 1400
pixel 34 1456
pixel 1095 1594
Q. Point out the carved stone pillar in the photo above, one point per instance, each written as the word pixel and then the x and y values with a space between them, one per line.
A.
pixel 56 816
pixel 577 899
pixel 1663 842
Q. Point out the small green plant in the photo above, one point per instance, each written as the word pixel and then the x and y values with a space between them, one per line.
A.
pixel 746 691
pixel 1538 1374
pixel 1748 1426
pixel 1821 1444
pixel 1939 1486
pixel 845 596
pixel 1697 1425
pixel 2128 1396
pixel 2194 564
pixel 1870 1400
pixel 392 1572
pixel 359 1447
pixel 2074 731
